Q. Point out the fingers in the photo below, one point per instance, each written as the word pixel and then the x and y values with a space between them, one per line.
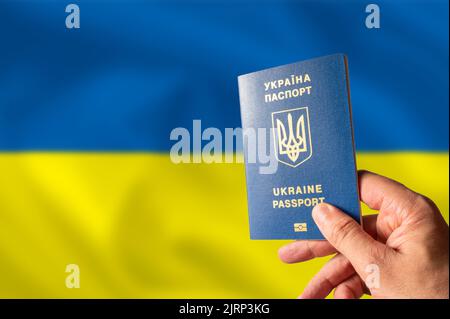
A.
pixel 376 189
pixel 347 236
pixel 397 204
pixel 337 270
pixel 351 288
pixel 384 194
pixel 303 250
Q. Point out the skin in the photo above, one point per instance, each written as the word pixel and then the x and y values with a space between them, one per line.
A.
pixel 402 252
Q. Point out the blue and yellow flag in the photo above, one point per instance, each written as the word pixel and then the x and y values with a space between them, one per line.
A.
pixel 86 115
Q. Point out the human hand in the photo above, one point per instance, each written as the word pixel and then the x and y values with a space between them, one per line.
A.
pixel 406 244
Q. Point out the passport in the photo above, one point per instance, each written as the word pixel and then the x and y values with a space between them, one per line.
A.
pixel 298 146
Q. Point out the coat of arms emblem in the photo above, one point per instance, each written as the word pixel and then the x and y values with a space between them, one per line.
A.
pixel 292 136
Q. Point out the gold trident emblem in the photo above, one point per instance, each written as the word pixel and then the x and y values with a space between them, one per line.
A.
pixel 292 144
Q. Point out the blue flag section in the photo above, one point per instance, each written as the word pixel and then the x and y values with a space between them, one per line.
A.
pixel 134 70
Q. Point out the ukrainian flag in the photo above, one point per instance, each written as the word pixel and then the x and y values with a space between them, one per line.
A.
pixel 86 115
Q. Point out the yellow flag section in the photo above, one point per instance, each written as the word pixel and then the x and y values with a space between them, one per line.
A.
pixel 137 225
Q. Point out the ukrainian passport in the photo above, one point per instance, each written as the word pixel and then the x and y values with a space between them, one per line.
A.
pixel 298 146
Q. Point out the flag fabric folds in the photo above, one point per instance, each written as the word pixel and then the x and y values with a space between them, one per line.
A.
pixel 86 116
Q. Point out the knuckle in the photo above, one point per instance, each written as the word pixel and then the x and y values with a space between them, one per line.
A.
pixel 422 204
pixel 410 197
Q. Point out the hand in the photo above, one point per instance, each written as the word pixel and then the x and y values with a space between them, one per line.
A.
pixel 403 252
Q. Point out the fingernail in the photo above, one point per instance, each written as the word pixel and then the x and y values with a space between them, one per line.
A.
pixel 320 212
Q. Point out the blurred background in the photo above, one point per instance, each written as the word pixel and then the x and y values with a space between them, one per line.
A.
pixel 85 118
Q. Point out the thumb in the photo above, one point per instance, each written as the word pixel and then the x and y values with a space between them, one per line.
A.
pixel 348 237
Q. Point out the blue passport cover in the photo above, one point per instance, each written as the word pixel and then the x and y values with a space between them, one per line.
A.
pixel 305 110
